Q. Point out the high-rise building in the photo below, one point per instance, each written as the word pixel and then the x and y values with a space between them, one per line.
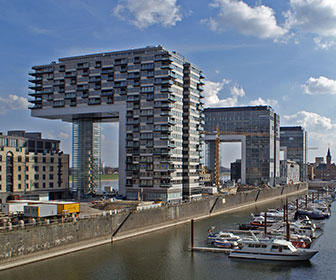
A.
pixel 258 131
pixel 294 139
pixel 31 165
pixel 155 94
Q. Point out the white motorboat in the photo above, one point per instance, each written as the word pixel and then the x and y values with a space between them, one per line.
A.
pixel 221 235
pixel 273 249
pixel 228 244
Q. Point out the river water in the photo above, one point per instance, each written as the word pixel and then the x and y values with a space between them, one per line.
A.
pixel 164 255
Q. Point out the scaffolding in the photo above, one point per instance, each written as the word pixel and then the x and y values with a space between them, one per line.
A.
pixel 86 155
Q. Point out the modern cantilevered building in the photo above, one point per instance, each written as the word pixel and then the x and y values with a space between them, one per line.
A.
pixel 154 94
pixel 258 130
pixel 293 140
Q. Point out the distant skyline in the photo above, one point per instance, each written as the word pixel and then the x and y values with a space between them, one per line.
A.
pixel 252 52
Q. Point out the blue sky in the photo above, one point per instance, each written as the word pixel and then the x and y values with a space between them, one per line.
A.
pixel 252 52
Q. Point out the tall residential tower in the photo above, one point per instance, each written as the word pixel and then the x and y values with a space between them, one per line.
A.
pixel 155 94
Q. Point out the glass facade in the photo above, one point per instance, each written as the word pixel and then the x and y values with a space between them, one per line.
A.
pixel 260 125
pixel 294 138
pixel 86 155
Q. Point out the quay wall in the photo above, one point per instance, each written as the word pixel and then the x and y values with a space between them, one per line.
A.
pixel 25 245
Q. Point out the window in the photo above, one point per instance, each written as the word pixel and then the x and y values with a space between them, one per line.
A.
pixel 51 176
pixel 36 176
pixel 51 185
pixel 43 176
pixel 35 159
pixel 36 185
pixel 19 158
pixel 27 168
pixel 44 159
pixel 36 168
pixel 27 159
pixel 19 177
pixel 51 160
pixel 44 185
pixel 51 168
pixel 27 177
pixel 43 168
pixel 19 186
pixel 19 168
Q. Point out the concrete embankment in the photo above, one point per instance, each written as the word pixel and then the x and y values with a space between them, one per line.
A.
pixel 26 245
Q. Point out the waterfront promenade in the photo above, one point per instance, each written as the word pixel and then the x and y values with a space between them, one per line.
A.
pixel 49 241
pixel 165 255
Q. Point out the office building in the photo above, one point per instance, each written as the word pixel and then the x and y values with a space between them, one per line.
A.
pixel 154 94
pixel 26 172
pixel 294 139
pixel 257 129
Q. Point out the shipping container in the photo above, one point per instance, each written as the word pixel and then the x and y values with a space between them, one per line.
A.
pixel 12 208
pixel 40 210
pixel 67 207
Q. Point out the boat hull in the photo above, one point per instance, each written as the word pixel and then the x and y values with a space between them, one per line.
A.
pixel 305 255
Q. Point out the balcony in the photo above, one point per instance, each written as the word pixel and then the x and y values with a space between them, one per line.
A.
pixel 36 106
pixel 36 80
pixel 172 98
pixel 94 101
pixel 35 87
pixel 166 89
pixel 70 95
pixel 171 121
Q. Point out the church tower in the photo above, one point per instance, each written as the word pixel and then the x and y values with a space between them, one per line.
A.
pixel 328 157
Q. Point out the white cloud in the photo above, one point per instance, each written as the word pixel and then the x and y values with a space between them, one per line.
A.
pixel 213 89
pixel 312 121
pixel 324 44
pixel 320 129
pixel 312 16
pixel 12 102
pixel 321 85
pixel 143 13
pixel 260 101
pixel 257 21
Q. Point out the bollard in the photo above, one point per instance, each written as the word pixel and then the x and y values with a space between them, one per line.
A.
pixel 192 234
pixel 265 223
pixel 306 202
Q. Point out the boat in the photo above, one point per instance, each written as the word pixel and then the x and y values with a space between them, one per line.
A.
pixel 227 244
pixel 313 215
pixel 221 235
pixel 272 249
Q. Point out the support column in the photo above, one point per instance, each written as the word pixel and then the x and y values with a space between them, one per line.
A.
pixel 86 155
pixel 122 152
